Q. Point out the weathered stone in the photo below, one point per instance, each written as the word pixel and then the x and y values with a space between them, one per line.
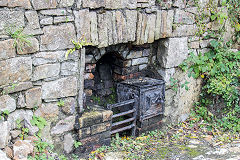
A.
pixel 32 47
pixel 54 12
pixel 166 74
pixel 15 70
pixel 66 3
pixel 139 61
pixel 131 17
pixel 25 115
pixel 43 4
pixel 7 49
pixel 70 105
pixel 68 143
pixel 47 21
pixel 194 45
pixel 11 18
pixel 69 68
pixel 183 17
pixel 57 37
pixel 79 4
pixel 48 57
pixel 48 111
pixel 46 71
pixel 32 130
pixel 120 24
pixel 179 4
pixel 63 19
pixel 98 128
pixel 94 29
pixel 142 66
pixel 3 3
pixel 102 31
pixel 185 30
pixel 4 136
pixel 3 155
pixel 17 87
pixel 93 3
pixel 134 54
pixel 21 149
pixel 108 18
pixel 63 87
pixel 90 118
pixel 107 115
pixel 114 28
pixel 46 136
pixel 33 20
pixel 21 101
pixel 205 43
pixel 33 97
pixel 64 125
pixel 20 3
pixel 143 31
pixel 82 23
pixel 139 27
pixel 84 132
pixel 157 31
pixel 7 103
pixel 151 23
pixel 172 52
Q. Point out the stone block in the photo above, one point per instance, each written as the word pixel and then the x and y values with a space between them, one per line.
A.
pixel 114 26
pixel 107 115
pixel 57 37
pixel 21 115
pixel 46 71
pixel 102 30
pixel 131 17
pixel 17 87
pixel 64 125
pixel 32 47
pixel 179 4
pixel 94 29
pixel 48 57
pixel 134 54
pixel 143 29
pixel 66 3
pixel 84 132
pixel 93 4
pixel 54 12
pixel 88 76
pixel 21 101
pixel 43 4
pixel 33 20
pixel 70 105
pixel 7 103
pixel 49 111
pixel 139 27
pixel 98 128
pixel 63 19
pixel 183 17
pixel 157 31
pixel 68 143
pixel 3 3
pixel 172 52
pixel 185 30
pixel 194 45
pixel 138 61
pixel 15 70
pixel 151 27
pixel 108 18
pixel 21 149
pixel 7 49
pixel 33 97
pixel 47 21
pixel 90 118
pixel 4 136
pixel 89 84
pixel 64 87
pixel 11 18
pixel 120 24
pixel 142 66
pixel 20 3
pixel 90 67
pixel 82 23
pixel 69 68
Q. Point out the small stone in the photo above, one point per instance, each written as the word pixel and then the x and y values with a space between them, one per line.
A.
pixel 47 21
pixel 64 125
pixel 8 151
pixel 134 54
pixel 138 61
pixel 84 132
pixel 48 57
pixel 69 68
pixel 15 133
pixel 183 17
pixel 32 47
pixel 185 30
pixel 2 154
pixel 33 20
pixel 32 129
pixel 191 146
pixel 57 37
pixel 107 115
pixel 7 103
pixel 7 49
pixel 48 111
pixel 33 97
pixel 21 101
pixel 63 87
pixel 63 19
pixel 194 141
pixel 20 3
pixel 70 105
pixel 4 136
pixel 66 3
pixel 68 143
pixel 19 115
pixel 98 128
pixel 43 4
pixel 21 149
pixel 46 71
pixel 54 12
pixel 142 66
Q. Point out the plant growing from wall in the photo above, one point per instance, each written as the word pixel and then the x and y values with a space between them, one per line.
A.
pixel 220 70
pixel 20 38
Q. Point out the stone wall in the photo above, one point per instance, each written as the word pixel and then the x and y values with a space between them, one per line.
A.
pixel 34 78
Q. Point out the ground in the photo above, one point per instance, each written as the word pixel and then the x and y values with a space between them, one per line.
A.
pixel 184 141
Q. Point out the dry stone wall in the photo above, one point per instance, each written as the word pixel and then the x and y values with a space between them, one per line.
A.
pixel 34 78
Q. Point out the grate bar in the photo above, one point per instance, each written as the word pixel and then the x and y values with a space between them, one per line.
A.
pixel 121 104
pixel 123 129
pixel 124 113
pixel 124 121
